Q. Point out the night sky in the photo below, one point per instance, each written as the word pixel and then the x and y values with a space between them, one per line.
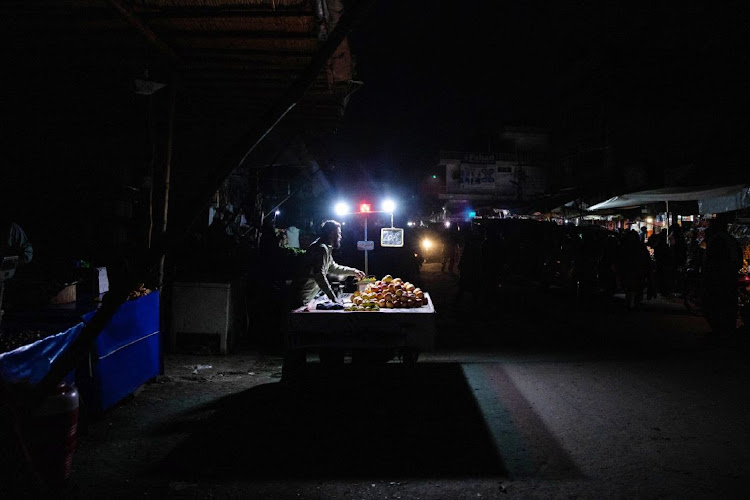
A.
pixel 444 76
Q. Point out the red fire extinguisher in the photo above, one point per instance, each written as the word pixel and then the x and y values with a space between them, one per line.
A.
pixel 50 435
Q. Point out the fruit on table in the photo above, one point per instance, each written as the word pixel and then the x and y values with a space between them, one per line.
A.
pixel 389 293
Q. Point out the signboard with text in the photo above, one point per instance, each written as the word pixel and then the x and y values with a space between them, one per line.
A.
pixel 391 237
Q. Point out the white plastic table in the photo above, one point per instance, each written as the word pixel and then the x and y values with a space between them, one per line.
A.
pixel 411 329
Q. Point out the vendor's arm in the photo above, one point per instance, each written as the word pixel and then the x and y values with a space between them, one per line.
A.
pixel 320 271
pixel 345 270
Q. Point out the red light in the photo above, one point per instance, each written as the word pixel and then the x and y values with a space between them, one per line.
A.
pixel 364 207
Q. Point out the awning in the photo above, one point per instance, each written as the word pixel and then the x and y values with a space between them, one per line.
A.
pixel 711 199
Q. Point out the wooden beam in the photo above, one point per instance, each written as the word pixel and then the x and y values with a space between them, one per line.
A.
pixel 147 32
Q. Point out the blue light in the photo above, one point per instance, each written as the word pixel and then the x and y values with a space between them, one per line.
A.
pixel 472 214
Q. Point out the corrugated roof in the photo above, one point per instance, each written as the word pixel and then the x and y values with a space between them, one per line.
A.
pixel 233 57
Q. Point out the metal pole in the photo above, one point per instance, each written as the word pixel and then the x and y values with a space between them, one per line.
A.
pixel 366 271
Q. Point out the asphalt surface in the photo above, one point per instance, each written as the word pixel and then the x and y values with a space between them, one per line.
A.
pixel 529 394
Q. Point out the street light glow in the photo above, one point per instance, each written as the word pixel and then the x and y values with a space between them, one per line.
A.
pixel 341 208
pixel 389 206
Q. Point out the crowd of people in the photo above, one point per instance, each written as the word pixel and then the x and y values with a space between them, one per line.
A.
pixel 591 260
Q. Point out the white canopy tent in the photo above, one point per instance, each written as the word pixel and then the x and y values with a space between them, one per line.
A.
pixel 711 199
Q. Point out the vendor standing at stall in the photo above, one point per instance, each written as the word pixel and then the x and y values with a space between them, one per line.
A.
pixel 317 264
pixel 311 279
pixel 13 241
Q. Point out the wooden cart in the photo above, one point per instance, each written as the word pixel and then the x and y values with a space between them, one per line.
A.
pixel 403 332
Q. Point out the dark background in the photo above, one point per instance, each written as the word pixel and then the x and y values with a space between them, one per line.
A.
pixel 446 77
pixel 668 84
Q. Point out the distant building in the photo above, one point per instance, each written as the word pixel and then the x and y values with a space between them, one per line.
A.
pixel 516 172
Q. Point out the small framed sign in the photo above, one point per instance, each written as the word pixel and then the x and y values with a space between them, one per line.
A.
pixel 366 245
pixel 391 237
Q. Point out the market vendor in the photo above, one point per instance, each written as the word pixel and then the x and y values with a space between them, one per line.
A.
pixel 312 278
pixel 318 263
pixel 13 241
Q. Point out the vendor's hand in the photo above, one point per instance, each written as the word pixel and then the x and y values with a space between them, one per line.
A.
pixel 359 274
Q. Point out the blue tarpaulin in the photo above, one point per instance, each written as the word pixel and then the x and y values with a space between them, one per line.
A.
pixel 30 363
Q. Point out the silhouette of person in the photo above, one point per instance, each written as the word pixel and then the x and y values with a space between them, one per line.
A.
pixel 450 249
pixel 634 266
pixel 723 259
pixel 644 234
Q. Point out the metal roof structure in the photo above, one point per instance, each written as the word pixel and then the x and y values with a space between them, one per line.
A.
pixel 230 77
pixel 229 58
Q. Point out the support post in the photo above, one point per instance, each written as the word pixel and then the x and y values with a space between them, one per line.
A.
pixel 366 270
pixel 167 175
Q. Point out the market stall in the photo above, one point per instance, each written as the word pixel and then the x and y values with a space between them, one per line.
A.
pixel 125 355
pixel 364 321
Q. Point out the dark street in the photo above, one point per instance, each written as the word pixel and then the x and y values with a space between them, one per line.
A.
pixel 356 249
pixel 533 396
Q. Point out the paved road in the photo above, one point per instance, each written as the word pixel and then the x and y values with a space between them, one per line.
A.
pixel 531 395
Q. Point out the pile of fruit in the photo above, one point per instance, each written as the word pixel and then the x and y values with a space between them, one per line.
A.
pixel 12 340
pixel 139 292
pixel 389 293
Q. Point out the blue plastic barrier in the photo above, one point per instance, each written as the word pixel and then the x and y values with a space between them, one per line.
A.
pixel 126 354
pixel 30 363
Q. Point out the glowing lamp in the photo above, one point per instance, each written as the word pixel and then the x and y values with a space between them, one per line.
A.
pixel 389 206
pixel 341 209
pixel 365 208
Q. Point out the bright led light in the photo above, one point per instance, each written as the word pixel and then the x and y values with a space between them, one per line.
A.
pixel 365 208
pixel 278 212
pixel 389 206
pixel 410 224
pixel 341 208
pixel 447 223
pixel 426 244
pixel 472 214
